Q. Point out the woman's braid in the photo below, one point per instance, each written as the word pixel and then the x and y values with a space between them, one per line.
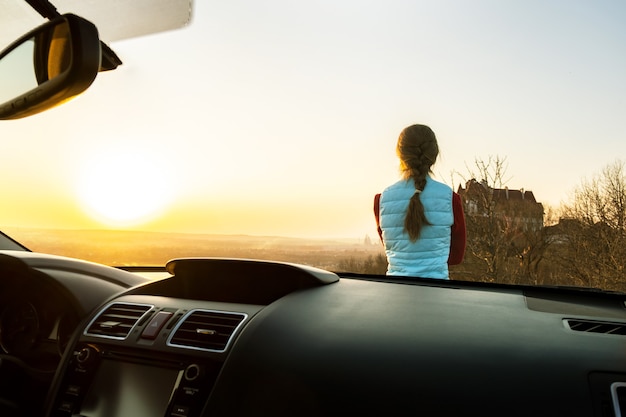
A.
pixel 417 149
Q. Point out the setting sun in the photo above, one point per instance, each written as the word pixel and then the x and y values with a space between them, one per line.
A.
pixel 123 185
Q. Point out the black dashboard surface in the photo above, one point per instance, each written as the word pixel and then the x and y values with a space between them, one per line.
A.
pixel 362 346
pixel 368 347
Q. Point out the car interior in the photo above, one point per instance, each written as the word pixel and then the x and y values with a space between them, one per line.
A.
pixel 220 336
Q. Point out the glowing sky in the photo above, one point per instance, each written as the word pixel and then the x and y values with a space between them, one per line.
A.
pixel 280 117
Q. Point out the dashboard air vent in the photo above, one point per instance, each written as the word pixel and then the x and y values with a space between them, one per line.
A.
pixel 591 326
pixel 206 330
pixel 117 320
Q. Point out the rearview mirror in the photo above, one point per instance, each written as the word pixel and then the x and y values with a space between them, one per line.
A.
pixel 47 66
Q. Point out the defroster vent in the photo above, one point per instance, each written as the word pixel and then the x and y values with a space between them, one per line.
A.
pixel 117 320
pixel 592 326
pixel 206 330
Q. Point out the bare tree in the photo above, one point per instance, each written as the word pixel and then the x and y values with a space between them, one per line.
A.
pixel 551 215
pixel 491 172
pixel 485 230
pixel 593 230
pixel 502 235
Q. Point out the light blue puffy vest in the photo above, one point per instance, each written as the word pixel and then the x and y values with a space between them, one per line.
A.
pixel 428 256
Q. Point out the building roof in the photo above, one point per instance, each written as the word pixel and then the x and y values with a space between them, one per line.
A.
pixel 501 194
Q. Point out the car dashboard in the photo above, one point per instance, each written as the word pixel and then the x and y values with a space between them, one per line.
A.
pixel 229 337
pixel 43 299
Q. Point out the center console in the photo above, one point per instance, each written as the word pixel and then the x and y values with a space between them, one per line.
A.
pixel 166 364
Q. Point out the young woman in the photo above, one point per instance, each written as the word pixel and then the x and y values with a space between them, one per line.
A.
pixel 420 221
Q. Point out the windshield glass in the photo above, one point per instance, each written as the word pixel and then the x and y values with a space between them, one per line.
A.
pixel 265 129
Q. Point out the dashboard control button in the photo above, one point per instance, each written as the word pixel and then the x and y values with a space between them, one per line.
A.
pixel 73 390
pixel 179 411
pixel 84 356
pixel 156 324
pixel 193 372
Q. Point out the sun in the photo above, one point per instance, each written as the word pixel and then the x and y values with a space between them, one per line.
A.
pixel 124 186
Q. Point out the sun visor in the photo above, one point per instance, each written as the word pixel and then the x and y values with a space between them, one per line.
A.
pixel 115 19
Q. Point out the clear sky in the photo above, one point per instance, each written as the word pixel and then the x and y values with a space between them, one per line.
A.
pixel 280 117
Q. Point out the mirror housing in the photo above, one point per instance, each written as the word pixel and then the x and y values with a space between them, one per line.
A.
pixel 48 66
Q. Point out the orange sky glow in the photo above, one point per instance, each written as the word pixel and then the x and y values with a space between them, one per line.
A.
pixel 267 118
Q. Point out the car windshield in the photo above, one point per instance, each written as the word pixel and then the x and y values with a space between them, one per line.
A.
pixel 264 130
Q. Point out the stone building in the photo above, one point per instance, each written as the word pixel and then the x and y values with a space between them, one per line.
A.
pixel 516 209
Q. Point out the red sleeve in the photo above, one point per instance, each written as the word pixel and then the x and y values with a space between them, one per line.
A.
pixel 457 244
pixel 377 215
